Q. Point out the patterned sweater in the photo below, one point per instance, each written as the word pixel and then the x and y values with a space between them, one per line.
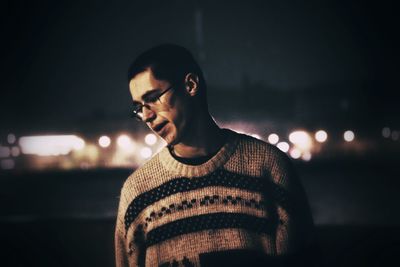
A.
pixel 243 207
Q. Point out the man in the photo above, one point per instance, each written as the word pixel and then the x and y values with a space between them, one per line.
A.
pixel 211 197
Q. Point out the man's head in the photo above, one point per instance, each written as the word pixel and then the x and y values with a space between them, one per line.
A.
pixel 167 88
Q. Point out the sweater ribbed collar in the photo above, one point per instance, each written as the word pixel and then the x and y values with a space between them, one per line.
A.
pixel 219 159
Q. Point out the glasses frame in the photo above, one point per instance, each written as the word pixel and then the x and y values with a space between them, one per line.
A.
pixel 149 105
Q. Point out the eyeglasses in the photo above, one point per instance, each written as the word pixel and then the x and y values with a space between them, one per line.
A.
pixel 150 102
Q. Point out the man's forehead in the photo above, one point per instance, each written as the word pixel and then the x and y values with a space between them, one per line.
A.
pixel 141 79
pixel 142 83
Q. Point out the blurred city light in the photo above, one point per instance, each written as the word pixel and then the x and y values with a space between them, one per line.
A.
pixel 87 157
pixel 11 138
pixel 301 139
pixel 4 152
pixel 395 135
pixel 273 138
pixel 348 136
pixel 150 139
pixel 78 144
pixel 50 145
pixel 306 156
pixel 146 152
pixel 321 136
pixel 295 153
pixel 7 164
pixel 79 153
pixel 104 141
pixel 283 146
pixel 15 151
pixel 386 132
pixel 125 142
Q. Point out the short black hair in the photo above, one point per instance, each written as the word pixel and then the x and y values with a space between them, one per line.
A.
pixel 169 62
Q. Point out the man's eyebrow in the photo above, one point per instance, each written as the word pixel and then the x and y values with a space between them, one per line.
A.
pixel 147 94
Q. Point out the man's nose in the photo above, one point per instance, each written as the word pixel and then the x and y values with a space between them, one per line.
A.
pixel 148 114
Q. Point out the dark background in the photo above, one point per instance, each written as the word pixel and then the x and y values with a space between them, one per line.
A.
pixel 274 64
pixel 66 60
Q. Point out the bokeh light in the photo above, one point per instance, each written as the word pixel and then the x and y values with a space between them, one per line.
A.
pixel 273 138
pixel 306 156
pixel 321 136
pixel 78 144
pixel 348 136
pixel 125 142
pixel 301 139
pixel 395 135
pixel 11 138
pixel 15 151
pixel 295 153
pixel 50 145
pixel 150 139
pixel 104 141
pixel 146 152
pixel 283 146
pixel 7 164
pixel 4 152
pixel 386 132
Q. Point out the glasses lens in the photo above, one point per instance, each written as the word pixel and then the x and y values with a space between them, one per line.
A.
pixel 138 112
pixel 137 117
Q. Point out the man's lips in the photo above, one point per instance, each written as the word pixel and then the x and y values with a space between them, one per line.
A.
pixel 158 127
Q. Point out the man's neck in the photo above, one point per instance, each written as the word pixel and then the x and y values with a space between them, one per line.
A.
pixel 203 139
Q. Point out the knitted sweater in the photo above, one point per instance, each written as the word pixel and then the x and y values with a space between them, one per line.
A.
pixel 243 204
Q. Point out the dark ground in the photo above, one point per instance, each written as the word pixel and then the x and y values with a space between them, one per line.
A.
pixel 67 218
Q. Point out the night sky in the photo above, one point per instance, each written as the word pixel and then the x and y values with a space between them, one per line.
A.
pixel 66 60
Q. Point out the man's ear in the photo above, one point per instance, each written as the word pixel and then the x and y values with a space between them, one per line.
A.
pixel 192 84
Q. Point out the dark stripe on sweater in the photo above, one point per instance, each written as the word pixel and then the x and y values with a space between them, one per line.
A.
pixel 212 221
pixel 184 184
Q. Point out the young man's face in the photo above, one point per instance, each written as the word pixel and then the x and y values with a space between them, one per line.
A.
pixel 167 117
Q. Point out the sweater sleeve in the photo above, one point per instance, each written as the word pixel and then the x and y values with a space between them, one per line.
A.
pixel 125 251
pixel 121 253
pixel 295 234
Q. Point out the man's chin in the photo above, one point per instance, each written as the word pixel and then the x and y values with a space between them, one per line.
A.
pixel 171 140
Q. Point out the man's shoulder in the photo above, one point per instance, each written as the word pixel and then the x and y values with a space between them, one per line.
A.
pixel 150 166
pixel 137 180
pixel 255 143
pixel 254 146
